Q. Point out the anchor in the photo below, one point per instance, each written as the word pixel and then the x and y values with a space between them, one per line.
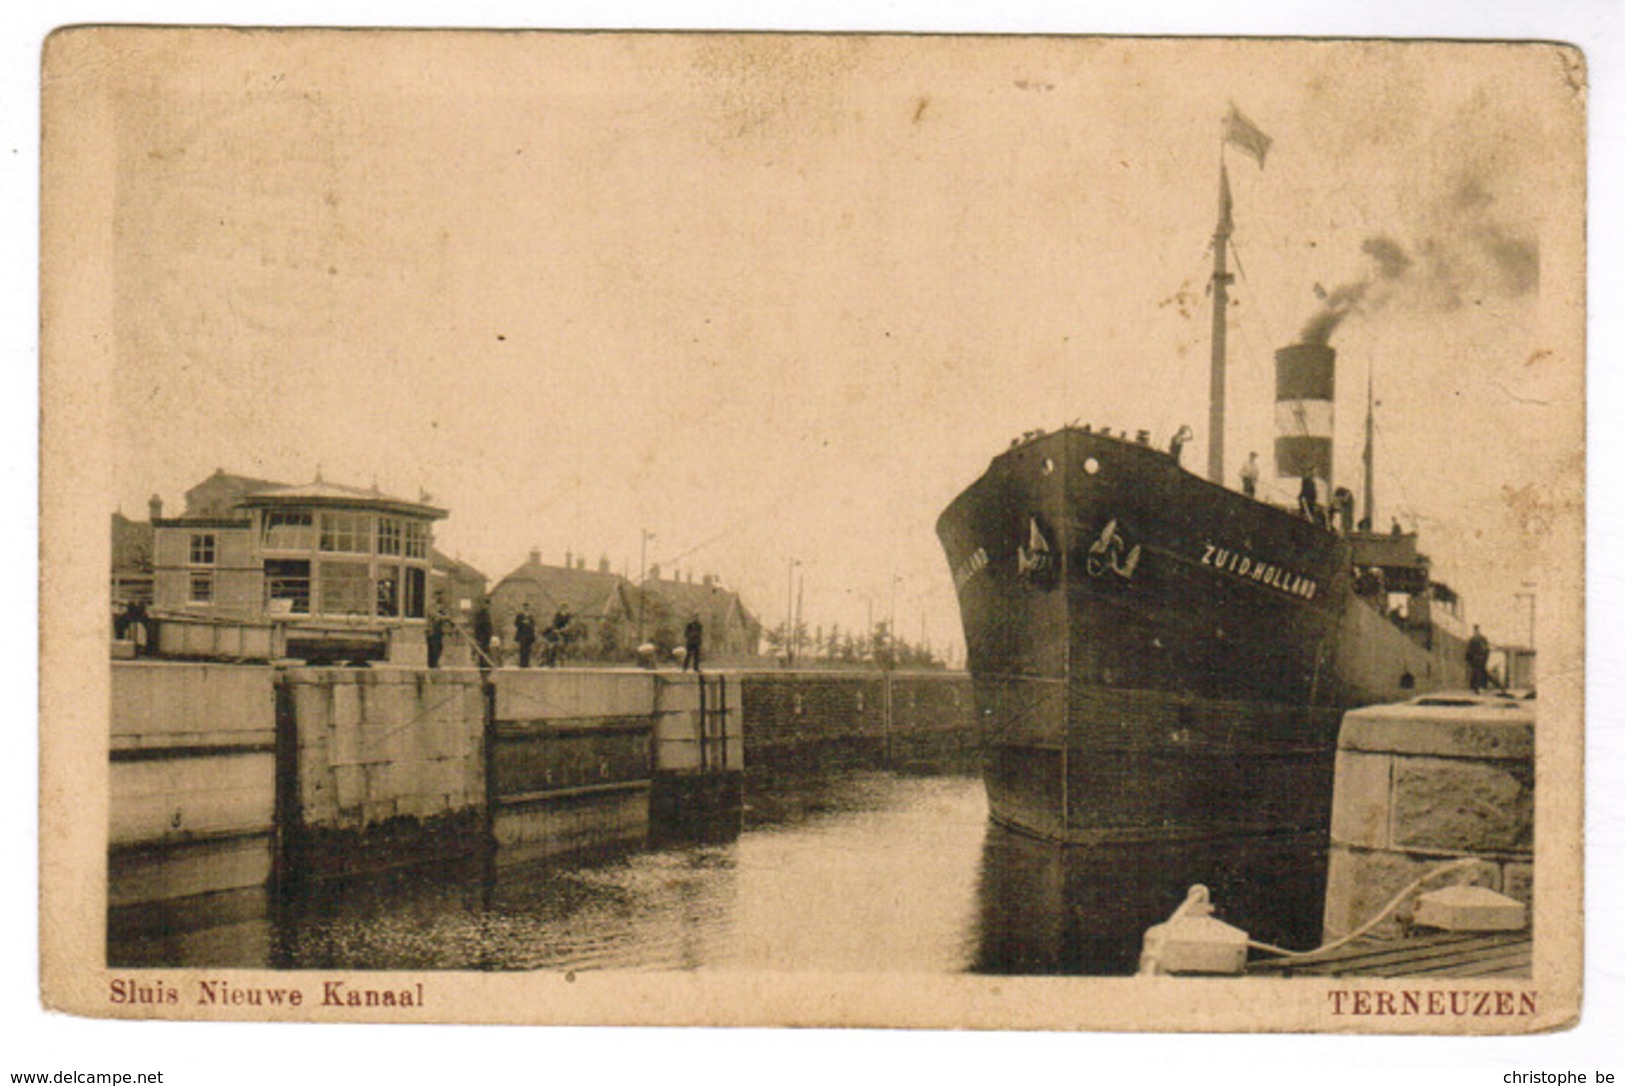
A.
pixel 1107 552
pixel 1035 558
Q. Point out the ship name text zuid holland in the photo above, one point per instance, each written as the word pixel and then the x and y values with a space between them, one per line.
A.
pixel 1229 560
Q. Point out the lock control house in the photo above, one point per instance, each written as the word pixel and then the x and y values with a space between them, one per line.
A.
pixel 319 571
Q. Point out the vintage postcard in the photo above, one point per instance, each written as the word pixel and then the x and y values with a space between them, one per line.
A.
pixel 990 532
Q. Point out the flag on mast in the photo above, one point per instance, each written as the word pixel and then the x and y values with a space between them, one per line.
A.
pixel 1246 135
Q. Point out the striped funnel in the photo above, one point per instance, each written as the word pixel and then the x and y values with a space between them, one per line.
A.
pixel 1305 396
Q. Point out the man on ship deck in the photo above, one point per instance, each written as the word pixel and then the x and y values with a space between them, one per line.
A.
pixel 1177 445
pixel 1343 509
pixel 1249 476
pixel 1309 500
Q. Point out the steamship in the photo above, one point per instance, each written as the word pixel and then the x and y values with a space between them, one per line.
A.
pixel 1156 657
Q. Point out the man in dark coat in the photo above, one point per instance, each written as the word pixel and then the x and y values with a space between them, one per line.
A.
pixel 124 620
pixel 1309 499
pixel 693 634
pixel 1478 661
pixel 558 635
pixel 1343 509
pixel 434 634
pixel 1177 445
pixel 484 631
pixel 141 627
pixel 524 633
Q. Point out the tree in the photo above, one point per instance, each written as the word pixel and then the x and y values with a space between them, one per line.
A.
pixel 660 626
pixel 882 649
pixel 609 640
pixel 850 651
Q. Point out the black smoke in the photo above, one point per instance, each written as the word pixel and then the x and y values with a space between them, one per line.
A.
pixel 1469 251
pixel 1389 264
pixel 1389 256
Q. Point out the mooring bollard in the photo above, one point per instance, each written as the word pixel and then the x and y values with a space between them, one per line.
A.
pixel 1193 940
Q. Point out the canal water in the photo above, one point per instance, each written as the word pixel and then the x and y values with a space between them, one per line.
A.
pixel 864 871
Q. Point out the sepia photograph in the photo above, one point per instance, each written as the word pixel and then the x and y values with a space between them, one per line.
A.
pixel 979 531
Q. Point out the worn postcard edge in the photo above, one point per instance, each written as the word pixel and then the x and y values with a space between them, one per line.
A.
pixel 75 468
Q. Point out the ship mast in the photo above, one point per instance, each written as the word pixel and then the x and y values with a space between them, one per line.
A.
pixel 1221 303
pixel 1238 130
pixel 1370 456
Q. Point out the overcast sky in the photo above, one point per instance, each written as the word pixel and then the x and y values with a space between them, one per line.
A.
pixel 774 298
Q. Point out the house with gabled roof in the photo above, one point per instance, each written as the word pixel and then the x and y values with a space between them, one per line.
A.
pixel 602 604
pixel 454 584
pixel 222 492
pixel 611 616
pixel 668 603
pixel 132 555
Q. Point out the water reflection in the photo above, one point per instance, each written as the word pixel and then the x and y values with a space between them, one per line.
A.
pixel 651 910
pixel 861 872
pixel 1048 909
pixel 864 871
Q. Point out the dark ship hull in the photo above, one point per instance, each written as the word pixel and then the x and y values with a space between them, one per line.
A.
pixel 1156 657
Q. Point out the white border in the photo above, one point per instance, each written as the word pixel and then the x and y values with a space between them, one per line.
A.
pixel 254 1053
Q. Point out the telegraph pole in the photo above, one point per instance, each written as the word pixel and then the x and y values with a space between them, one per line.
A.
pixel 1221 300
pixel 1370 453
pixel 1530 596
pixel 789 611
pixel 643 578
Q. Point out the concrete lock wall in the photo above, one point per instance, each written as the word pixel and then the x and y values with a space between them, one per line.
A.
pixel 807 722
pixel 933 722
pixel 686 742
pixel 571 759
pixel 699 758
pixel 223 775
pixel 804 722
pixel 1419 785
pixel 192 780
pixel 389 767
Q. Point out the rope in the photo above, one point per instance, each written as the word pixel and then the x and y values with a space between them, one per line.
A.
pixel 391 733
pixel 1257 311
pixel 1381 915
pixel 475 645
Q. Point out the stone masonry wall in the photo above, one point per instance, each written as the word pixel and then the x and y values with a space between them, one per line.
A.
pixel 1418 786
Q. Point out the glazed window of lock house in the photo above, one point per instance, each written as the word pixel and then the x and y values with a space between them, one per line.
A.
pixel 386 577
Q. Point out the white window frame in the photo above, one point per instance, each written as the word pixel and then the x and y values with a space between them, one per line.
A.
pixel 390 536
pixel 202 541
pixel 203 578
pixel 341 526
pixel 276 537
pixel 415 539
pixel 286 603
